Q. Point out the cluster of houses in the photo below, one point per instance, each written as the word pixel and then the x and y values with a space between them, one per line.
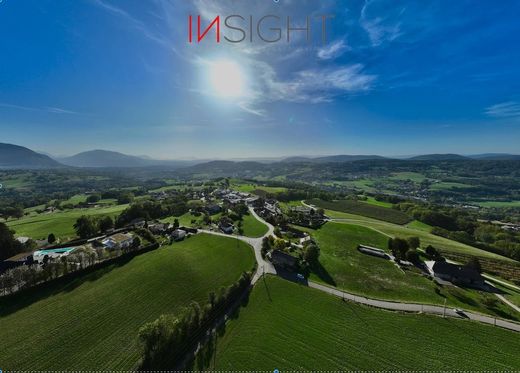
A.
pixel 114 241
pixel 233 197
pixel 267 208
pixel 306 216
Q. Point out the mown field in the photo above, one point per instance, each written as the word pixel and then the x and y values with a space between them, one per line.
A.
pixel 61 223
pixel 92 323
pixel 343 266
pixel 291 327
pixel 252 227
pixel 364 209
pixel 414 229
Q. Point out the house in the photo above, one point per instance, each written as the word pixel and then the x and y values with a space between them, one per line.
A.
pixel 279 258
pixel 118 241
pixel 138 223
pixel 457 274
pixel 374 251
pixel 158 228
pixel 226 227
pixel 43 256
pixel 213 209
pixel 16 261
pixel 178 235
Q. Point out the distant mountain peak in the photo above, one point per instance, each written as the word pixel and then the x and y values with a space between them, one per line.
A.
pixel 15 156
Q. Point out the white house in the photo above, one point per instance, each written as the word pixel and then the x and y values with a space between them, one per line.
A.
pixel 118 241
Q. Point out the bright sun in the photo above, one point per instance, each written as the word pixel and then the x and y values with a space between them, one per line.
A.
pixel 227 78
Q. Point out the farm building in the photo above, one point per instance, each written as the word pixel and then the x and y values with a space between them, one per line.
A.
pixel 374 251
pixel 16 261
pixel 118 241
pixel 279 258
pixel 457 274
pixel 178 235
pixel 42 256
pixel 226 228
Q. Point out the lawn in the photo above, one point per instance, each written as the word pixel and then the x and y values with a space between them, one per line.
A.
pixel 342 265
pixel 375 202
pixel 413 176
pixel 294 328
pixel 92 323
pixel 497 203
pixel 412 229
pixel 252 227
pixel 364 209
pixel 61 223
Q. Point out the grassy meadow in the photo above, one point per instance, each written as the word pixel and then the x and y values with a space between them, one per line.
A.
pixel 92 323
pixel 343 266
pixel 61 223
pixel 414 229
pixel 287 326
pixel 371 210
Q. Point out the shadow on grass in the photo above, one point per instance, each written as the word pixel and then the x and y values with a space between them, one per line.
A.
pixel 322 273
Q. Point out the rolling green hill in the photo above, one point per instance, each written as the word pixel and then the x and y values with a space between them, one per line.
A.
pixel 344 266
pixel 60 223
pixel 291 327
pixel 364 209
pixel 92 323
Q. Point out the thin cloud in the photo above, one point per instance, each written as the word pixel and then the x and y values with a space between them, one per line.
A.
pixel 47 109
pixel 510 109
pixel 332 50
pixel 134 23
pixel 379 29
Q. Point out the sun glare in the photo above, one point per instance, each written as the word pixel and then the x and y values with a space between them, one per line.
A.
pixel 226 78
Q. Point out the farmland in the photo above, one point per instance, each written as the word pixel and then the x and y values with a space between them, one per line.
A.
pixel 92 323
pixel 414 229
pixel 291 327
pixel 252 227
pixel 344 266
pixel 364 209
pixel 60 223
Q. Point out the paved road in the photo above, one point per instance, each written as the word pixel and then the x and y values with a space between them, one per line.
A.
pixel 267 268
pixel 263 266
pixel 415 307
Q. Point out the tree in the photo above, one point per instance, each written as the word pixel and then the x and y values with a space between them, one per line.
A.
pixel 9 246
pixel 93 198
pixel 398 247
pixel 474 263
pixel 125 197
pixel 311 253
pixel 85 227
pixel 412 256
pixel 414 242
pixel 176 223
pixel 51 238
pixel 106 223
pixel 431 251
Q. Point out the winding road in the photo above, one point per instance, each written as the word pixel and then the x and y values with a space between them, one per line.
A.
pixel 265 267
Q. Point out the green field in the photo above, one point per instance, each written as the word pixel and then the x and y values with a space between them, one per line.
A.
pixel 342 265
pixel 292 327
pixel 252 227
pixel 92 323
pixel 413 176
pixel 375 202
pixel 497 203
pixel 60 223
pixel 394 230
pixel 364 209
pixel 249 188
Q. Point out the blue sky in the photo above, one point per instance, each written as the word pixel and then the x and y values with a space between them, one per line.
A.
pixel 394 78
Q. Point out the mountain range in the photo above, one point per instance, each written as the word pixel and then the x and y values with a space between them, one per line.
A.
pixel 15 156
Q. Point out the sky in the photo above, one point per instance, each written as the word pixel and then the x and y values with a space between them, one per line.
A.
pixel 392 77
